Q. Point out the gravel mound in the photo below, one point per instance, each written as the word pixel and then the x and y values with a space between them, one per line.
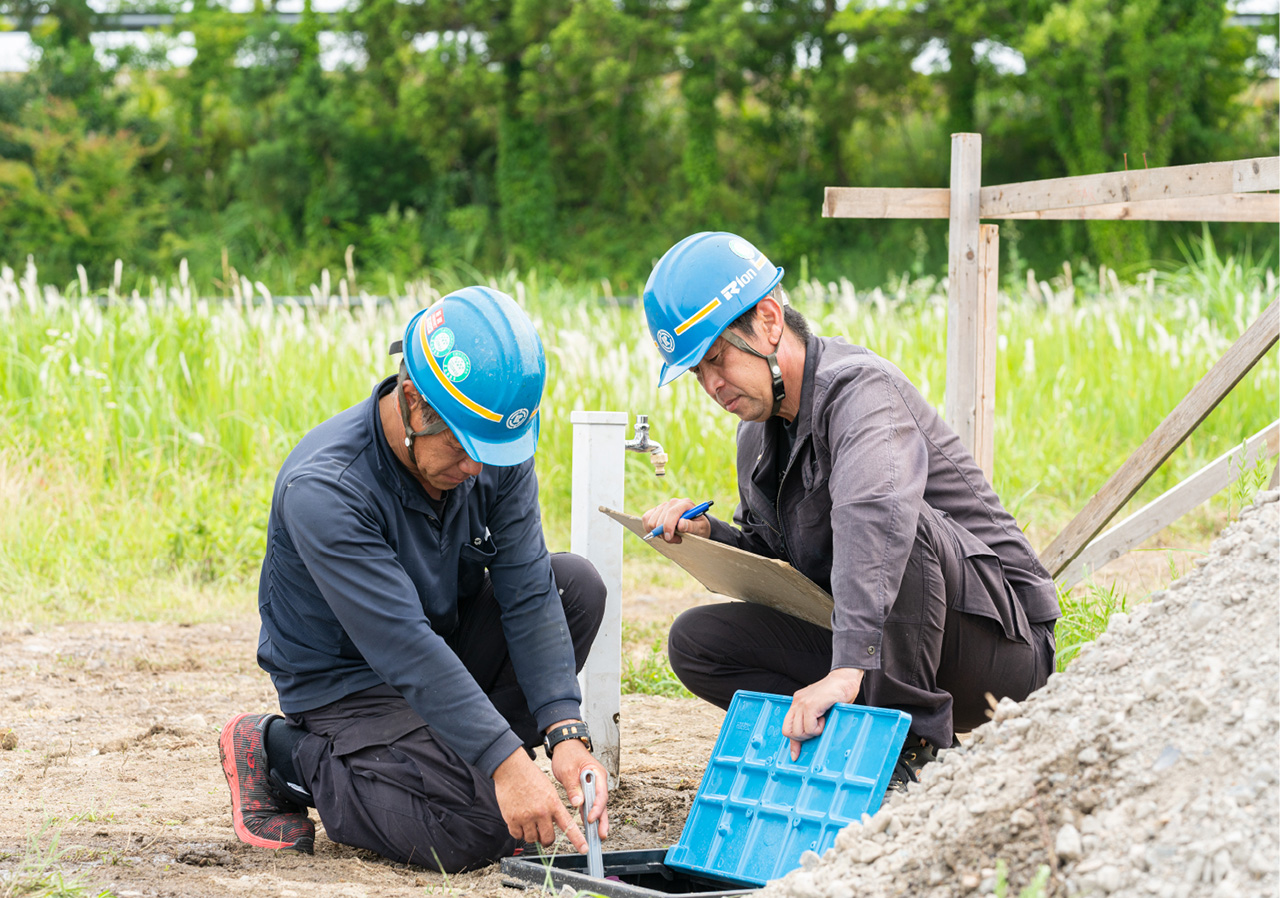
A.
pixel 1148 767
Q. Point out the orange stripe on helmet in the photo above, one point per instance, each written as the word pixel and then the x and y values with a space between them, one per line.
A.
pixel 697 316
pixel 449 385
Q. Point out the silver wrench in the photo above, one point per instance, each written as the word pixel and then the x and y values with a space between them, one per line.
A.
pixel 595 862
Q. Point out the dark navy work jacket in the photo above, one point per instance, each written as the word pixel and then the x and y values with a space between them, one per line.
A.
pixel 361 586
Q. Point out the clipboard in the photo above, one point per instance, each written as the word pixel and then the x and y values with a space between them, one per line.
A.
pixel 729 571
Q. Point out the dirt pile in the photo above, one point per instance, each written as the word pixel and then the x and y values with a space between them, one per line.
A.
pixel 1149 767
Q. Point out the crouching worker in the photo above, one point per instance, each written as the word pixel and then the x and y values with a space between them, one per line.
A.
pixel 420 637
pixel 847 473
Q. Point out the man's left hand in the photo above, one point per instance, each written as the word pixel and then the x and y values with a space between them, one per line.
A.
pixel 807 715
pixel 567 763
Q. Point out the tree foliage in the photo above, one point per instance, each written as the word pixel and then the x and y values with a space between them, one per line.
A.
pixel 585 136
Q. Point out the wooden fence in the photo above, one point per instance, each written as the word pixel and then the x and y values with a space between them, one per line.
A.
pixel 1214 191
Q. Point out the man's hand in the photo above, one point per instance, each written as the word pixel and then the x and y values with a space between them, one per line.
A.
pixel 529 802
pixel 667 515
pixel 568 760
pixel 807 715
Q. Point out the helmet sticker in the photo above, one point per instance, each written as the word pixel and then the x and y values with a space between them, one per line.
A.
pixel 742 249
pixel 442 341
pixel 666 342
pixel 433 321
pixel 516 418
pixel 457 366
pixel 697 316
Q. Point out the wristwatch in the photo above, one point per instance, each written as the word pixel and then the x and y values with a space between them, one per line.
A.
pixel 575 730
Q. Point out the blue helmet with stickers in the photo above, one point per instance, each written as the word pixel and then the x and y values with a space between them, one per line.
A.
pixel 697 289
pixel 477 360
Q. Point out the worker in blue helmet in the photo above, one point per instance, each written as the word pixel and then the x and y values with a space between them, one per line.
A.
pixel 421 639
pixel 849 474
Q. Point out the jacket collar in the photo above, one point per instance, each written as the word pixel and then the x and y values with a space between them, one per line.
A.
pixel 394 475
pixel 769 433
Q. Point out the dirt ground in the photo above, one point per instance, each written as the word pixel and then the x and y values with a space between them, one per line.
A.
pixel 117 727
pixel 115 765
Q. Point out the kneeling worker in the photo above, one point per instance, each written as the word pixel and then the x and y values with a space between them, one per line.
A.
pixel 420 637
pixel 848 474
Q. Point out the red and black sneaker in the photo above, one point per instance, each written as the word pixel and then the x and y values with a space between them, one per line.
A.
pixel 260 816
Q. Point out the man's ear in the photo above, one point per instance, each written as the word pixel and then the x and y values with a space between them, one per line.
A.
pixel 769 315
pixel 411 395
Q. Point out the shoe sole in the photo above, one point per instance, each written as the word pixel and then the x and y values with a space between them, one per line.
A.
pixel 226 752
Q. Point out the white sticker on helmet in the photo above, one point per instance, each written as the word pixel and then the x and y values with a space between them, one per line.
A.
pixel 516 418
pixel 742 249
pixel 441 341
pixel 666 342
pixel 457 366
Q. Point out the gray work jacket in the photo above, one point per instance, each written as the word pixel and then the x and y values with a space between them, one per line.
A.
pixel 869 453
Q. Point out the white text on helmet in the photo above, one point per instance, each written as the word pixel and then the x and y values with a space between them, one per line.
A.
pixel 734 287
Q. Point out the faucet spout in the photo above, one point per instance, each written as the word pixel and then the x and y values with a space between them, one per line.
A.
pixel 642 443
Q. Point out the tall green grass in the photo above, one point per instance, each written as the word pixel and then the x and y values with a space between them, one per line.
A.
pixel 142 433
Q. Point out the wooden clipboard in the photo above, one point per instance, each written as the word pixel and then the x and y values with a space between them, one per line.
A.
pixel 731 572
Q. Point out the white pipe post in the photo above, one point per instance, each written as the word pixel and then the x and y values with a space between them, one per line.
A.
pixel 598 462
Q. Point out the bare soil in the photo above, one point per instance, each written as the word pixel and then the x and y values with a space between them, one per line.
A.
pixel 116 729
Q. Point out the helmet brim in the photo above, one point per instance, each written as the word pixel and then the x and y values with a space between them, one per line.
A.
pixel 670 371
pixel 501 455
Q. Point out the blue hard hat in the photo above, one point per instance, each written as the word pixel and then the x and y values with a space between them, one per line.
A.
pixel 477 360
pixel 697 289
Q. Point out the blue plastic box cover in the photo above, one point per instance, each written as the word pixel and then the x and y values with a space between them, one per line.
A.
pixel 757 811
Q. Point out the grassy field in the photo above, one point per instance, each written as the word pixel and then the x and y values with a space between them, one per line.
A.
pixel 142 433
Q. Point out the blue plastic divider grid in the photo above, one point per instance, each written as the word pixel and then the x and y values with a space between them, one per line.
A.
pixel 757 811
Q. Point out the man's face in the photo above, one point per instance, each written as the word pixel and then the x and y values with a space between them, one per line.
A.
pixel 442 461
pixel 739 382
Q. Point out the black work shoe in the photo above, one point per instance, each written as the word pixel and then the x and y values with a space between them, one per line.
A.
pixel 914 755
pixel 259 814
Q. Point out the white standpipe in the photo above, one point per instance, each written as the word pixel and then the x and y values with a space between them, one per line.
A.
pixel 598 461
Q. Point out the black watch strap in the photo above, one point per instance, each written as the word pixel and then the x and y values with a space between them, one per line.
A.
pixel 575 730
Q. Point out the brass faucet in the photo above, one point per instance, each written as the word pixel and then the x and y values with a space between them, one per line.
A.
pixel 642 443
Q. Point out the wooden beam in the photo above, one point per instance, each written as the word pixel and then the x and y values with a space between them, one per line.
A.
pixel 963 288
pixel 984 437
pixel 1154 517
pixel 1259 207
pixel 886 202
pixel 1171 182
pixel 935 202
pixel 1167 437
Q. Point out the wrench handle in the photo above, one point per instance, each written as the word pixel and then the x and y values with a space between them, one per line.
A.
pixel 595 861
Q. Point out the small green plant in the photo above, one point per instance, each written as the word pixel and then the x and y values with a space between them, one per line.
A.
pixel 37 874
pixel 651 674
pixel 1246 486
pixel 1037 888
pixel 1085 613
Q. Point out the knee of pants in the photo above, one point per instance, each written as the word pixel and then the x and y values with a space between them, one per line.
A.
pixel 684 647
pixel 581 588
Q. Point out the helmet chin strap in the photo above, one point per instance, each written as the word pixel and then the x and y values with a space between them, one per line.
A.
pixel 779 390
pixel 410 434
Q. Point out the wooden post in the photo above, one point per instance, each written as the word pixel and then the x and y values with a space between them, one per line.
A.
pixel 984 438
pixel 965 288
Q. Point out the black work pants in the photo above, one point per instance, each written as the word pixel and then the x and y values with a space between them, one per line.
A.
pixel 381 779
pixel 936 663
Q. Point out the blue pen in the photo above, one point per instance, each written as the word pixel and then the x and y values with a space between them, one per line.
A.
pixel 688 515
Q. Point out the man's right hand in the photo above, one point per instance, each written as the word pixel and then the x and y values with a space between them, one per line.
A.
pixel 530 804
pixel 667 515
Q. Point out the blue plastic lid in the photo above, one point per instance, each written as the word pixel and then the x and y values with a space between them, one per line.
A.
pixel 757 811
